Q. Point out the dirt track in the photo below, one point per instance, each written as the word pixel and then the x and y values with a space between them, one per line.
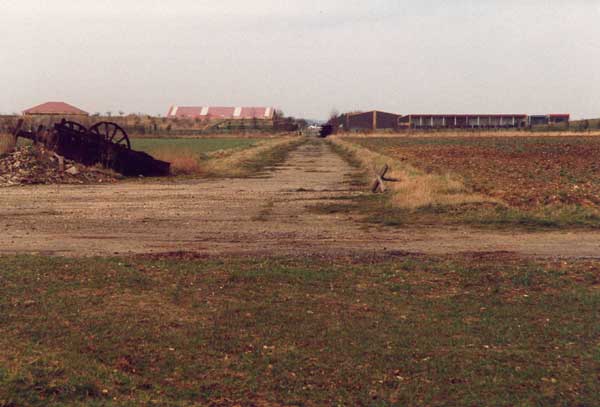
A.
pixel 262 215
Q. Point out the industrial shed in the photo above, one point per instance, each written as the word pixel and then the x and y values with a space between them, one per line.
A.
pixel 463 121
pixel 373 120
pixel 537 120
pixel 221 112
pixel 54 109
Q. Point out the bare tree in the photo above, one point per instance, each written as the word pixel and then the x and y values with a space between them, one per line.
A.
pixel 334 119
pixel 334 114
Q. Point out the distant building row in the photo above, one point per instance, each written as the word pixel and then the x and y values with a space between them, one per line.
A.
pixel 219 112
pixel 377 120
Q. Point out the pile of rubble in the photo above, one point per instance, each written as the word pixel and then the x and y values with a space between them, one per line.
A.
pixel 36 165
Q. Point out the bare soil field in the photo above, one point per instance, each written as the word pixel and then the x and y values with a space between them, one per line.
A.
pixel 269 213
pixel 525 172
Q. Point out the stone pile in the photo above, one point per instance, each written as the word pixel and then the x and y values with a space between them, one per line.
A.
pixel 36 165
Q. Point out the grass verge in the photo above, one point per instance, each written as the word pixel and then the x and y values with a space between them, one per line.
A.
pixel 399 330
pixel 252 161
pixel 414 189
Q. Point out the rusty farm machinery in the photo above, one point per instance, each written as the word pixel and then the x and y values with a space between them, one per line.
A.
pixel 104 143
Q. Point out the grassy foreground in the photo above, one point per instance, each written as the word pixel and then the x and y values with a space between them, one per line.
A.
pixel 400 330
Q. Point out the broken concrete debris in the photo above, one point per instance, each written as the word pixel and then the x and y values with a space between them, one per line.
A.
pixel 37 165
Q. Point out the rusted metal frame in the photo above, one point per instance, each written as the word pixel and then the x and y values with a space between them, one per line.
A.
pixel 380 176
pixel 110 148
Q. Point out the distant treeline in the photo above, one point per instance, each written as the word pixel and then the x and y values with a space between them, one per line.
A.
pixel 142 125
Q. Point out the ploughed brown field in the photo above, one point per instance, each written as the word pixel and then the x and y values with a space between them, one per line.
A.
pixel 524 172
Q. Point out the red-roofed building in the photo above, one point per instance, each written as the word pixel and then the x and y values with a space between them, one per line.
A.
pixel 54 108
pixel 221 112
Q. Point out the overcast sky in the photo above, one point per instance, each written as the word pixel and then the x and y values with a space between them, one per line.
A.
pixel 306 57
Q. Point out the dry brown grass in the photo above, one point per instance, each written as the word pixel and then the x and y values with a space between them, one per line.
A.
pixel 414 189
pixel 183 162
pixel 7 143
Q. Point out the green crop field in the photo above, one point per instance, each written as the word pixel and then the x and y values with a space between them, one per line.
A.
pixel 201 146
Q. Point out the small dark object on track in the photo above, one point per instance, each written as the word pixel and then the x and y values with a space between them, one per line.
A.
pixel 326 130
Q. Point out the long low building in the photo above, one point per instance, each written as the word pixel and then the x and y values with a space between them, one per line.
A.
pixel 537 120
pixel 221 112
pixel 377 120
pixel 479 121
pixel 463 121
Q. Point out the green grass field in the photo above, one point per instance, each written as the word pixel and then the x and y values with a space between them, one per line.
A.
pixel 199 145
pixel 398 330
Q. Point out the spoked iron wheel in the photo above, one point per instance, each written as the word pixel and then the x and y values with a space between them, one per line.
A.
pixel 111 132
pixel 74 126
